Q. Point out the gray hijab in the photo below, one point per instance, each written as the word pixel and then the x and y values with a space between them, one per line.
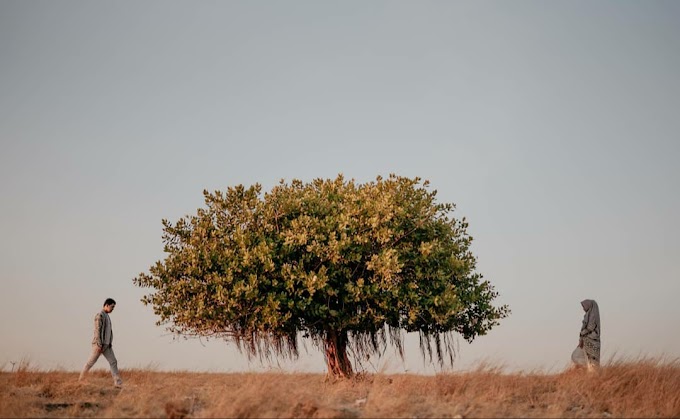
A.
pixel 591 320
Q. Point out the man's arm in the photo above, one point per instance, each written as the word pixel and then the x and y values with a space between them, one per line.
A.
pixel 99 330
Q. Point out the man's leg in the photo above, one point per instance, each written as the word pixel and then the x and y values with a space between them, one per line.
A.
pixel 90 362
pixel 111 357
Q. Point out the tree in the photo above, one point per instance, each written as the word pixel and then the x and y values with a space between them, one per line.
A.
pixel 348 265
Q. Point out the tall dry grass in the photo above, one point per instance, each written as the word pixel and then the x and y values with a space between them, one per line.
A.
pixel 624 388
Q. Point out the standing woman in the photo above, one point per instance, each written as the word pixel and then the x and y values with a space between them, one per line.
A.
pixel 590 332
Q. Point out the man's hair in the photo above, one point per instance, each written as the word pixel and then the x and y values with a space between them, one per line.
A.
pixel 109 301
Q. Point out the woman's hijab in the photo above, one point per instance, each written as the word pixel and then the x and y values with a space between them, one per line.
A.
pixel 591 320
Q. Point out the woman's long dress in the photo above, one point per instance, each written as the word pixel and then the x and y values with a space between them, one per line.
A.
pixel 590 331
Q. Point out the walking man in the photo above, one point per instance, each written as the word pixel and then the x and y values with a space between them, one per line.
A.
pixel 102 342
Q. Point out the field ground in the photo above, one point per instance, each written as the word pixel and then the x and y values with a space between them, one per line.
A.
pixel 640 388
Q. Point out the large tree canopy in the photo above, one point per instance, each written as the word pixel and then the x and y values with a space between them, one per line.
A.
pixel 351 266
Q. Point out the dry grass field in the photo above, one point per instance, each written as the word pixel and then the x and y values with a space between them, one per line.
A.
pixel 640 388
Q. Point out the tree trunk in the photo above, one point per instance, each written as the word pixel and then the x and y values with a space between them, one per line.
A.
pixel 335 345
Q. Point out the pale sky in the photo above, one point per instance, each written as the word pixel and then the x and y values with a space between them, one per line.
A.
pixel 553 126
